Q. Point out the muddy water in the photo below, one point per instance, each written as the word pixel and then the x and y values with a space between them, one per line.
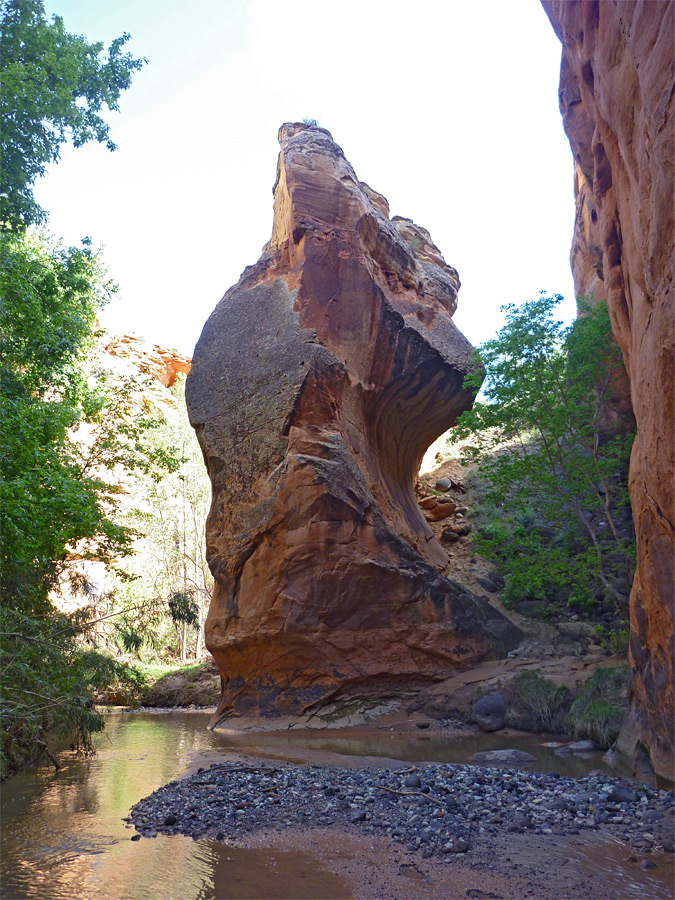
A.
pixel 63 836
pixel 310 744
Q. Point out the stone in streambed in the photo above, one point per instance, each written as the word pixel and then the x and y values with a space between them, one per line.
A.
pixel 578 748
pixel 621 794
pixel 412 781
pixel 507 757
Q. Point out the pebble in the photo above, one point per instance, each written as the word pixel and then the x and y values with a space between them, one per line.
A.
pixel 437 809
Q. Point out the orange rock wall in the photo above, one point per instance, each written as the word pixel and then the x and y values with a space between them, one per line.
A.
pixel 149 359
pixel 616 98
pixel 316 386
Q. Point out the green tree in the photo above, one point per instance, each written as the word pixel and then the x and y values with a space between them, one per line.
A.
pixel 556 480
pixel 53 87
pixel 167 575
pixel 65 436
pixel 65 439
pixel 50 296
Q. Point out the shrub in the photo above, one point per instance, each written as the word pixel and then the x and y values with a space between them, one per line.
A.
pixel 553 483
pixel 598 711
pixel 537 704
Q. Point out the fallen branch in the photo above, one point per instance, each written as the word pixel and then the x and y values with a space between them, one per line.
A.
pixel 48 753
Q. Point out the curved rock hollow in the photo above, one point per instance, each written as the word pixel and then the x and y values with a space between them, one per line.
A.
pixel 617 98
pixel 316 386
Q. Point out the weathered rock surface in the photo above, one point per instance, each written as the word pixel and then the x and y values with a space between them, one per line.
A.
pixel 142 357
pixel 616 97
pixel 317 384
pixel 490 712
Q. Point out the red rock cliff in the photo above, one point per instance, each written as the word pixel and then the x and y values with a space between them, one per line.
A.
pixel 316 386
pixel 616 98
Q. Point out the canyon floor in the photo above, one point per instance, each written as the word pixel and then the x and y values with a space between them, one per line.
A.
pixel 384 828
pixel 388 829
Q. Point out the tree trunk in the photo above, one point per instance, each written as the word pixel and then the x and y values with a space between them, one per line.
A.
pixel 200 630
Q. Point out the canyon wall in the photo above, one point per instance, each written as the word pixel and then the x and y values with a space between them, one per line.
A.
pixel 616 98
pixel 316 386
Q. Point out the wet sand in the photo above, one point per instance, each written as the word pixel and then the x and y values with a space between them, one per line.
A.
pixel 516 867
pixel 594 863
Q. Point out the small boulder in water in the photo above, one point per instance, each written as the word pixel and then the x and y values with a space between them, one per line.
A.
pixel 507 757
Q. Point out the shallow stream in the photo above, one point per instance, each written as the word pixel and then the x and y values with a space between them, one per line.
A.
pixel 63 836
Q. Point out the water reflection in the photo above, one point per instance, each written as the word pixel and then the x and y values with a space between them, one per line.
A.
pixel 415 748
pixel 63 835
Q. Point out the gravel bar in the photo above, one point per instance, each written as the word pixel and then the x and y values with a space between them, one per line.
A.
pixel 433 809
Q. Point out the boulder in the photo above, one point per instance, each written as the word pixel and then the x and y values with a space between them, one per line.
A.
pixel 441 511
pixel 487 583
pixel 577 748
pixel 316 386
pixel 490 712
pixel 507 757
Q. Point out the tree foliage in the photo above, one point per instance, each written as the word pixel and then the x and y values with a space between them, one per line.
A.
pixel 50 297
pixel 67 437
pixel 53 88
pixel 48 676
pixel 168 570
pixel 556 477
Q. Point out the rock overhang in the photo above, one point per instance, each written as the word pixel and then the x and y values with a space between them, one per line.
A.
pixel 317 385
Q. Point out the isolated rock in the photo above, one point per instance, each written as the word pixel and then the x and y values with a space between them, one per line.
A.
pixel 506 757
pixel 487 583
pixel 577 748
pixel 490 712
pixel 440 511
pixel 616 97
pixel 317 384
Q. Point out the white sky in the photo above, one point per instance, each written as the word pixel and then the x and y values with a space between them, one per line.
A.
pixel 447 107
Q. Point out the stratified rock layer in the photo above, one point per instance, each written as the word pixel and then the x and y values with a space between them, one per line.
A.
pixel 316 386
pixel 616 98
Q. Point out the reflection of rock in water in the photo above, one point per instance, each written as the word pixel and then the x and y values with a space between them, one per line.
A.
pixel 317 384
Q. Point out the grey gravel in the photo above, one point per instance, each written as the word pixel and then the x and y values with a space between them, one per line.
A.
pixel 437 808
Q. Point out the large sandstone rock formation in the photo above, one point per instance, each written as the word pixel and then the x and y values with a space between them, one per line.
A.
pixel 316 386
pixel 616 98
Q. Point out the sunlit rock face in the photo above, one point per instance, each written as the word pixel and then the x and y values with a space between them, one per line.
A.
pixel 616 98
pixel 317 384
